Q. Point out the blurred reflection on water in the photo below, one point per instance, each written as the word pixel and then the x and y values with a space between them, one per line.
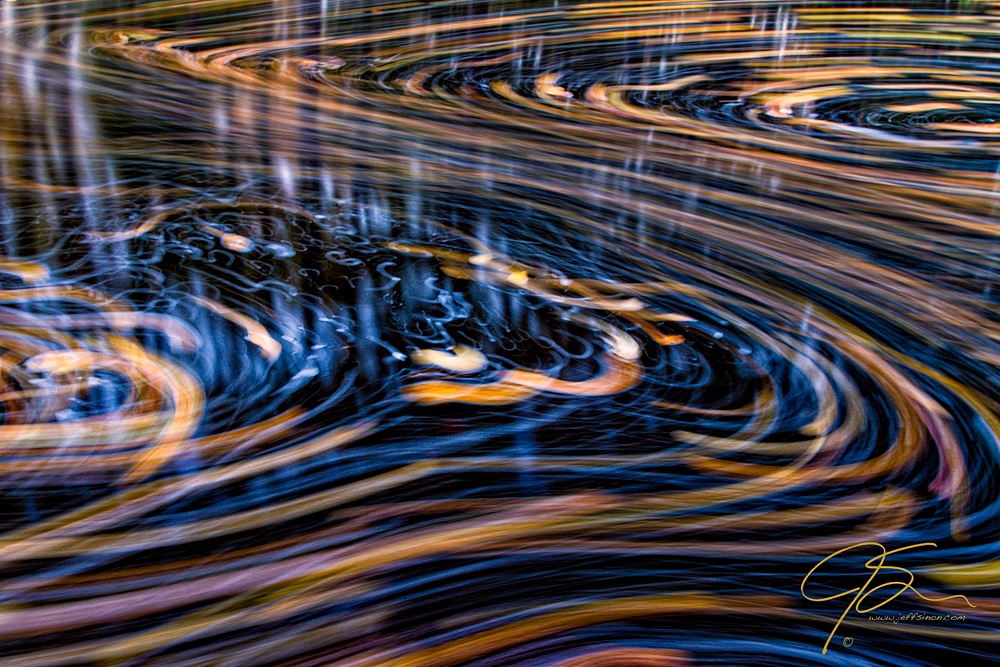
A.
pixel 494 333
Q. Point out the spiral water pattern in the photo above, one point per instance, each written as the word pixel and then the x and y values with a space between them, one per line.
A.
pixel 335 332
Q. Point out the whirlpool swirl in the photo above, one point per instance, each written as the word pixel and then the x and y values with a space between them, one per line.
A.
pixel 504 333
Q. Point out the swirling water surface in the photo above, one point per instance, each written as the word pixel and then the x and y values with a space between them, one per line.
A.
pixel 496 333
